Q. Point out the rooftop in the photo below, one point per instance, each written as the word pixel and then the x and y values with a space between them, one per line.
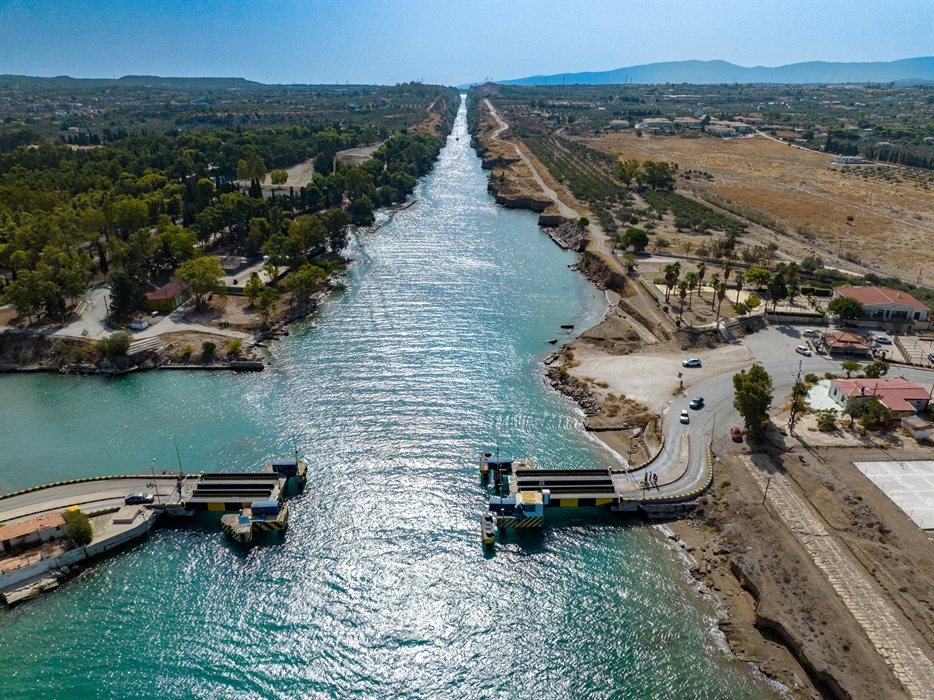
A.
pixel 843 339
pixel 168 291
pixel 26 527
pixel 876 296
pixel 894 393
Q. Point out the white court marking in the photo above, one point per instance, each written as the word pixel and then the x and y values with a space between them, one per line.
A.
pixel 910 486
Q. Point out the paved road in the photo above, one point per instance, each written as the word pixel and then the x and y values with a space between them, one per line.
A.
pixel 90 495
pixel 774 348
pixel 175 323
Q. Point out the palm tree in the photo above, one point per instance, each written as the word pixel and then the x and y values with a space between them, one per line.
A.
pixel 739 284
pixel 701 271
pixel 714 283
pixel 721 295
pixel 691 279
pixel 672 272
pixel 727 270
pixel 668 272
pixel 682 292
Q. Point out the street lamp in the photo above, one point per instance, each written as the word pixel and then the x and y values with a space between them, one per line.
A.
pixel 152 467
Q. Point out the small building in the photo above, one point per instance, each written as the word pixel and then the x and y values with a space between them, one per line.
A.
pixel 886 305
pixel 901 397
pixel 654 124
pixel 849 160
pixel 139 321
pixel 689 122
pixel 167 298
pixel 919 428
pixel 39 529
pixel 619 124
pixel 846 344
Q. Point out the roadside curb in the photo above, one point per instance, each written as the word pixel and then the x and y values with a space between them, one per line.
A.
pixel 661 446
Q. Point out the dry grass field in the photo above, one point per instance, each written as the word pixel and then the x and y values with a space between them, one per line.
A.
pixel 892 230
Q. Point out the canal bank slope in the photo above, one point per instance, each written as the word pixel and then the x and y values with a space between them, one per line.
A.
pixel 781 611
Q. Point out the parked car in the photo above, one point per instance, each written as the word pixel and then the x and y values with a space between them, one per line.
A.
pixel 883 340
pixel 810 333
pixel 685 418
pixel 931 357
pixel 803 350
pixel 693 362
pixel 697 402
pixel 736 434
pixel 137 498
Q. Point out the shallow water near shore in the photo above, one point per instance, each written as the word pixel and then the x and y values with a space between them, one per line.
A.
pixel 381 587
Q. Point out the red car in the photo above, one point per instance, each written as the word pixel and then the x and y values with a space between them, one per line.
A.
pixel 736 434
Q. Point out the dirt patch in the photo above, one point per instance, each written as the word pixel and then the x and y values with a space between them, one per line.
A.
pixel 892 225
pixel 792 602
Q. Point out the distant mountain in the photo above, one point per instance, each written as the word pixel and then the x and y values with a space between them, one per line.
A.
pixel 706 72
pixel 24 81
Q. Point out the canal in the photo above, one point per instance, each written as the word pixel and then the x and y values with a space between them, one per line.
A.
pixel 381 587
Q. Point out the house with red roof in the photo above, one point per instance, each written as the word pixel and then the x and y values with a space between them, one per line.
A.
pixel 886 305
pixel 167 298
pixel 901 397
pixel 39 529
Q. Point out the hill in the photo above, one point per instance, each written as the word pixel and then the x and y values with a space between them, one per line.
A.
pixel 707 72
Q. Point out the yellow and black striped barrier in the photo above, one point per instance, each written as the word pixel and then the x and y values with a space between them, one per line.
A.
pixel 661 446
pixel 85 480
pixel 533 521
pixel 682 497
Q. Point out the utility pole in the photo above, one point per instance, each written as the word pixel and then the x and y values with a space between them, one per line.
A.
pixel 794 399
pixel 153 468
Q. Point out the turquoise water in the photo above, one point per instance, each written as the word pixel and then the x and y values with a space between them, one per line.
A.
pixel 381 587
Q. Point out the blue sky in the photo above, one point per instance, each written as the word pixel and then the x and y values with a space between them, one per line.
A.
pixel 447 41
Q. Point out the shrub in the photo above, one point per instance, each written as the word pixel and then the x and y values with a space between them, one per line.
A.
pixel 78 526
pixel 186 352
pixel 234 346
pixel 208 348
pixel 811 378
pixel 115 345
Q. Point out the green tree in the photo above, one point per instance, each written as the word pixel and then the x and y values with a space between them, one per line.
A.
pixel 267 301
pixel 278 177
pixel 631 262
pixel 635 237
pixel 758 277
pixel 658 175
pixel 826 420
pixel 875 414
pixel 627 171
pixel 114 345
pixel 29 293
pixel 876 369
pixel 777 290
pixel 671 271
pixel 849 367
pixel 846 308
pixel 738 283
pixel 583 222
pixel 253 289
pixel 303 282
pixel 336 222
pixel 78 526
pixel 203 276
pixel 753 398
pixel 126 296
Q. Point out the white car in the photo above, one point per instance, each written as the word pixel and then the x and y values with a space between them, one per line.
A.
pixel 693 362
pixel 883 340
pixel 685 418
pixel 810 333
pixel 803 350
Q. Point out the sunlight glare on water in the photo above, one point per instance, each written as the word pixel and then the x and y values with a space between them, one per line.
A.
pixel 381 587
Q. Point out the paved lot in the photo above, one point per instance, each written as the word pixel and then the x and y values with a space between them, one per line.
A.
pixel 910 486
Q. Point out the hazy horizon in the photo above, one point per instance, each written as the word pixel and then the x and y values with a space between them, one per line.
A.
pixel 450 43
